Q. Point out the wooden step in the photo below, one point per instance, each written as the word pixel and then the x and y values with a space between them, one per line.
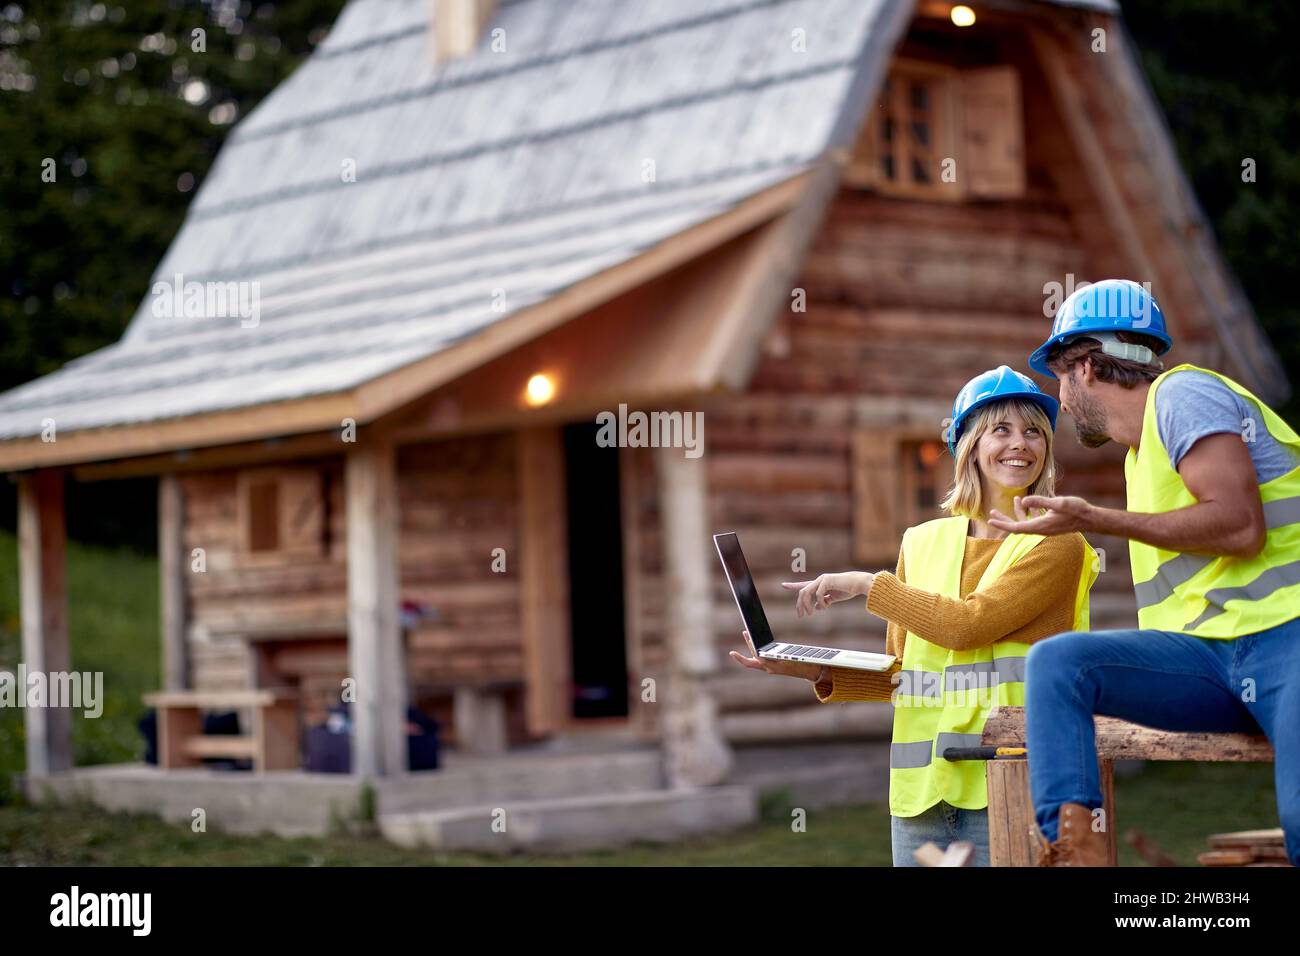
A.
pixel 576 823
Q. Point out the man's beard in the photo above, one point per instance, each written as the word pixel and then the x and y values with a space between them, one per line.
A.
pixel 1090 423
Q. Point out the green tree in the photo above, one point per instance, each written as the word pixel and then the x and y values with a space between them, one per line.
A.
pixel 1228 78
pixel 124 106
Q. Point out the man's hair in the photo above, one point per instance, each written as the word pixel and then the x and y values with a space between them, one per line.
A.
pixel 1109 368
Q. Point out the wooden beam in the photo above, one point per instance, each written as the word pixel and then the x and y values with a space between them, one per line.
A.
pixel 544 568
pixel 192 431
pixel 173 565
pixel 375 654
pixel 457 26
pixel 243 454
pixel 697 755
pixel 43 598
pixel 1120 740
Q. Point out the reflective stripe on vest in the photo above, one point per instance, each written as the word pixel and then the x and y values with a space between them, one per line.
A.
pixel 943 697
pixel 1205 595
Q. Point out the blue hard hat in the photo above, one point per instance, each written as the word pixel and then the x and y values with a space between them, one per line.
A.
pixel 1111 305
pixel 996 385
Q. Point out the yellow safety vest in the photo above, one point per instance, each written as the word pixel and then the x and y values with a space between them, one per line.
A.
pixel 942 697
pixel 1216 597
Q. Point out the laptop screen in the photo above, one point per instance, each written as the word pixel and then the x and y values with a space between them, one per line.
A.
pixel 742 588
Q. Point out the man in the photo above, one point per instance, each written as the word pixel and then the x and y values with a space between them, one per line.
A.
pixel 1213 523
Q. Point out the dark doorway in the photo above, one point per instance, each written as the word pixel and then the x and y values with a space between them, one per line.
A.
pixel 599 664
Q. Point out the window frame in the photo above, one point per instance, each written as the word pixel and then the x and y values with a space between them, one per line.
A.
pixel 864 167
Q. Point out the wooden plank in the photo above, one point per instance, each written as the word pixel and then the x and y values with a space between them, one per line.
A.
pixel 173 568
pixel 1011 814
pixel 275 735
pixel 1106 771
pixel 241 454
pixel 1120 740
pixel 457 26
pixel 375 654
pixel 1248 838
pixel 544 606
pixel 43 603
pixel 176 727
pixel 212 700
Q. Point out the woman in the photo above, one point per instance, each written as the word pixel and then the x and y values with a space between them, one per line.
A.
pixel 963 607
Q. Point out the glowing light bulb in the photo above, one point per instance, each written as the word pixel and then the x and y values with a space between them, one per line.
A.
pixel 962 16
pixel 540 389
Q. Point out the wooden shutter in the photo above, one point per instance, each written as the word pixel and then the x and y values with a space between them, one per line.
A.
pixel 302 512
pixel 281 513
pixel 993 137
pixel 876 518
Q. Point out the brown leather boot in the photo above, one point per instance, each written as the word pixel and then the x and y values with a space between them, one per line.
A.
pixel 1077 843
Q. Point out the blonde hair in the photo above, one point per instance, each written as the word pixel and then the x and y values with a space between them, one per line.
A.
pixel 965 497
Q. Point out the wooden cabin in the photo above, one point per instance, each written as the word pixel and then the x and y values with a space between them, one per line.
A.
pixel 811 221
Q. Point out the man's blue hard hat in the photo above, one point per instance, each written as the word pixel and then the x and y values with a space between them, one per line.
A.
pixel 996 385
pixel 1108 306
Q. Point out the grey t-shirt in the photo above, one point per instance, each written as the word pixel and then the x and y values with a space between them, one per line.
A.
pixel 1191 405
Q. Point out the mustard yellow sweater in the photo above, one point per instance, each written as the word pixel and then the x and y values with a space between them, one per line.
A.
pixel 1032 599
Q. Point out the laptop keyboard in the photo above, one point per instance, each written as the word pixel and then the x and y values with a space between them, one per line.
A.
pixel 821 653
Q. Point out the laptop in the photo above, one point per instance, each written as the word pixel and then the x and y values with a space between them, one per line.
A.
pixel 751 612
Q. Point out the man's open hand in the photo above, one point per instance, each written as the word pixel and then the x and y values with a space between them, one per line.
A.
pixel 1061 515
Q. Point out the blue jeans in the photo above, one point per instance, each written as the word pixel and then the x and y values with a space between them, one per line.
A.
pixel 1165 680
pixel 941 825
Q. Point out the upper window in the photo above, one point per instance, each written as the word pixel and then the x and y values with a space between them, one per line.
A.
pixel 281 513
pixel 938 132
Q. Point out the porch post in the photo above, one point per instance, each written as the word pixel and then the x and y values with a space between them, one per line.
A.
pixel 42 544
pixel 172 564
pixel 375 654
pixel 697 754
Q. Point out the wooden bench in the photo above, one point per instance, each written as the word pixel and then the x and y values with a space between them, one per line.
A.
pixel 273 744
pixel 1012 827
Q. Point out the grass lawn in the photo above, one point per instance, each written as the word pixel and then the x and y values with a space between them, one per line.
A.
pixel 113 621
pixel 113 627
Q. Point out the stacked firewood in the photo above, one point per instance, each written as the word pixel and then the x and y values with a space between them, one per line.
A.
pixel 1246 848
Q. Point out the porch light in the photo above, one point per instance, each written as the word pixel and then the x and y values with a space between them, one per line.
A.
pixel 962 16
pixel 540 390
